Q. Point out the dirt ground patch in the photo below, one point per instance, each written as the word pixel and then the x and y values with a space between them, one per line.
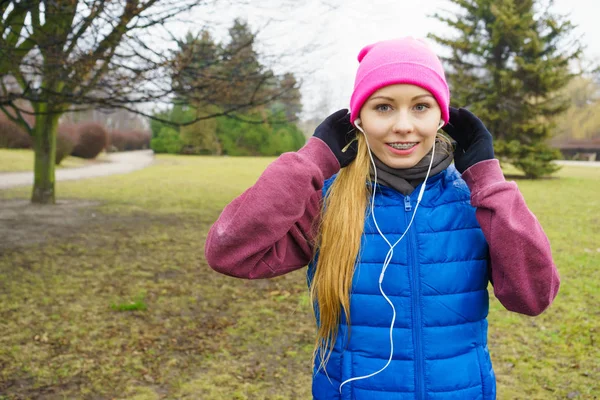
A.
pixel 23 223
pixel 98 306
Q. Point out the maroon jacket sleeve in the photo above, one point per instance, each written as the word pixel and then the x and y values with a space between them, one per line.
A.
pixel 268 230
pixel 524 276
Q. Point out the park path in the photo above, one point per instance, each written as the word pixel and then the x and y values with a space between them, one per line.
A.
pixel 118 163
pixel 128 161
pixel 592 164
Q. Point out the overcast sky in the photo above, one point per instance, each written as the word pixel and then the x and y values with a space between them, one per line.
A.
pixel 319 40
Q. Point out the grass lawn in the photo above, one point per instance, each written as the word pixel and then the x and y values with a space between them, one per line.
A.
pixel 109 295
pixel 17 160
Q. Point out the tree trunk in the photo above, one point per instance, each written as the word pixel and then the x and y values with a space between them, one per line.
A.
pixel 45 157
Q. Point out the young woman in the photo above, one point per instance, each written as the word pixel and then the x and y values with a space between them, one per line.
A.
pixel 400 242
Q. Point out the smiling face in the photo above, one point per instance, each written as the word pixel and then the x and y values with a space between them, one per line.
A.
pixel 401 122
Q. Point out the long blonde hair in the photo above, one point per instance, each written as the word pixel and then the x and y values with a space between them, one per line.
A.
pixel 338 245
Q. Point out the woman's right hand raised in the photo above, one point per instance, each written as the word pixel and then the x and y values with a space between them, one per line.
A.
pixel 339 134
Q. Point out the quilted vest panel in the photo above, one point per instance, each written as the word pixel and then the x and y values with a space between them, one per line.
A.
pixel 437 280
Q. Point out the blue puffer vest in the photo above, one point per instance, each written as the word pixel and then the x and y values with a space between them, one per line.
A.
pixel 437 281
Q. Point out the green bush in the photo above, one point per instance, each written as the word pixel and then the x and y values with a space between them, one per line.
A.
pixel 178 113
pixel 258 134
pixel 167 141
pixel 262 132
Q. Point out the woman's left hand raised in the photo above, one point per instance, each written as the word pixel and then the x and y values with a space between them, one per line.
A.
pixel 474 141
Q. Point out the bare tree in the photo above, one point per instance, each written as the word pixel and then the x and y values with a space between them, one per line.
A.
pixel 70 55
pixel 75 52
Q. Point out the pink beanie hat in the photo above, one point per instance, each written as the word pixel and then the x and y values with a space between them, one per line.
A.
pixel 405 60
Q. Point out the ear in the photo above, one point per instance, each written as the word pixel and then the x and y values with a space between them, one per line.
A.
pixel 441 123
pixel 357 123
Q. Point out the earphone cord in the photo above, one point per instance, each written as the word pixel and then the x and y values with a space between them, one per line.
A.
pixel 390 253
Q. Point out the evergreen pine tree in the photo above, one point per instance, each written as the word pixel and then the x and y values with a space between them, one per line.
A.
pixel 508 64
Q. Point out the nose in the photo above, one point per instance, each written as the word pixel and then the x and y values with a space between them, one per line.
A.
pixel 403 124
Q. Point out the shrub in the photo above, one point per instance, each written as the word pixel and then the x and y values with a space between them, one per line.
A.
pixel 167 141
pixel 13 137
pixel 128 140
pixel 270 138
pixel 116 140
pixel 138 140
pixel 65 141
pixel 91 140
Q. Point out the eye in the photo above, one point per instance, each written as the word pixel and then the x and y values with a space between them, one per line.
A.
pixel 383 107
pixel 422 107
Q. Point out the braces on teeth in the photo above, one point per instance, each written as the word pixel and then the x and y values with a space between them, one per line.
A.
pixel 402 146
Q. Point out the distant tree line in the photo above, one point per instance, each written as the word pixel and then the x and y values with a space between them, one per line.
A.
pixel 581 121
pixel 256 109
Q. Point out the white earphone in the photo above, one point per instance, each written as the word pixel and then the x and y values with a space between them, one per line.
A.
pixel 390 253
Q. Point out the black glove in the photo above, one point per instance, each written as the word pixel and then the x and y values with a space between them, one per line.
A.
pixel 339 134
pixel 474 141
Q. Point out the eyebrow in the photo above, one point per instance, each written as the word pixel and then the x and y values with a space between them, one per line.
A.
pixel 390 99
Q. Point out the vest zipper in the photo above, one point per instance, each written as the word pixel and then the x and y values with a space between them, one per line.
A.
pixel 407 206
pixel 416 309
